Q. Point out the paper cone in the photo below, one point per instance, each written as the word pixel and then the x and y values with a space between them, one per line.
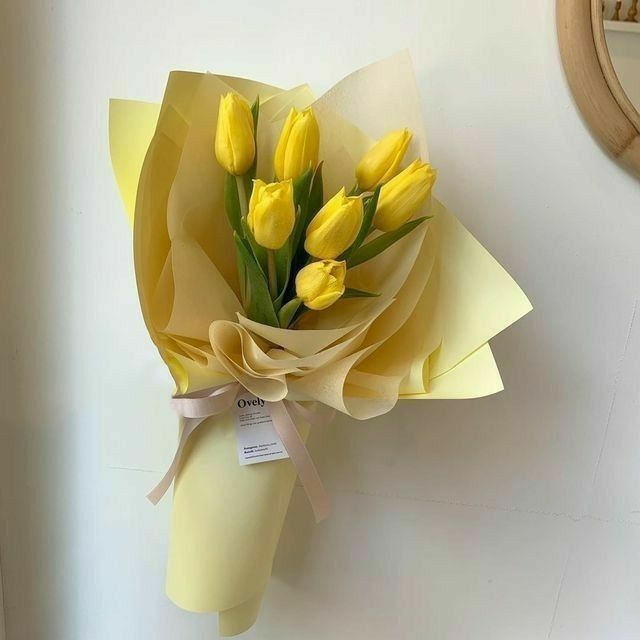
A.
pixel 226 522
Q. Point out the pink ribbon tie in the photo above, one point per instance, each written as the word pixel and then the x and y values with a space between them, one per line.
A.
pixel 197 406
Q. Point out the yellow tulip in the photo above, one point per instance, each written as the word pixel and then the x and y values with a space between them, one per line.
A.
pixel 381 162
pixel 298 146
pixel 335 227
pixel 271 213
pixel 402 196
pixel 235 144
pixel 320 284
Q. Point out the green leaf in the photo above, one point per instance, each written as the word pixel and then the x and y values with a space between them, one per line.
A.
pixel 283 267
pixel 232 203
pixel 255 112
pixel 285 254
pixel 242 278
pixel 383 242
pixel 301 187
pixel 357 293
pixel 259 305
pixel 316 193
pixel 285 315
pixel 309 206
pixel 370 206
pixel 301 199
pixel 259 253
pixel 308 195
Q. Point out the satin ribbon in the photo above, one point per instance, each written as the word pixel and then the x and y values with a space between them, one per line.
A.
pixel 197 406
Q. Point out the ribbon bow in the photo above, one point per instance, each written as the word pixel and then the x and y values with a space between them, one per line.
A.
pixel 197 406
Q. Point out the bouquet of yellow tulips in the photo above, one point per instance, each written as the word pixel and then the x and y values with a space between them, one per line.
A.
pixel 291 261
pixel 293 250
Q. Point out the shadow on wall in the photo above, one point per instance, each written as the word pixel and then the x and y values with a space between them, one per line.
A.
pixel 476 452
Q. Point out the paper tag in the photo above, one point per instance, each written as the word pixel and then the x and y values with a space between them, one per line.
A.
pixel 258 440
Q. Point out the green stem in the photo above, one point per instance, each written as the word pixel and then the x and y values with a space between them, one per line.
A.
pixel 242 196
pixel 244 284
pixel 273 278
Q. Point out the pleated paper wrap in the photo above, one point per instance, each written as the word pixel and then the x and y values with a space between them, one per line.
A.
pixel 426 336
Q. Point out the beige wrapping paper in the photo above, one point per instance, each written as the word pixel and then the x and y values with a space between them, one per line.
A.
pixel 442 297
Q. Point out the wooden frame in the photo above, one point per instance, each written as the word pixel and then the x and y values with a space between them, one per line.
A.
pixel 593 81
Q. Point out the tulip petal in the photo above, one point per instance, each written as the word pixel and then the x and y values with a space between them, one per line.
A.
pixel 324 301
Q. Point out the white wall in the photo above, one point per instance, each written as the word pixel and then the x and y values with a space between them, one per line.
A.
pixel 516 516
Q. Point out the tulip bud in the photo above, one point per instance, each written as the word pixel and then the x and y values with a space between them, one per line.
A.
pixel 235 143
pixel 335 227
pixel 298 146
pixel 402 196
pixel 381 162
pixel 320 284
pixel 271 213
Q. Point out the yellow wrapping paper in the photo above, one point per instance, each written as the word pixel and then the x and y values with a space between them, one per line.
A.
pixel 442 298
